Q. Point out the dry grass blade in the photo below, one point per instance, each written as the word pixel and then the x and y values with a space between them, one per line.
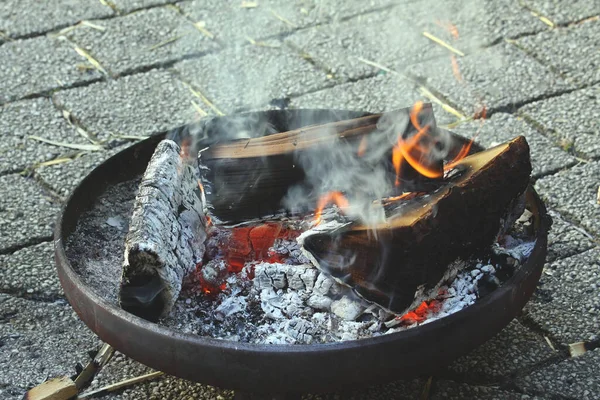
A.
pixel 93 26
pixel 199 95
pixel 128 137
pixel 443 44
pixel 261 44
pixel 426 389
pixel 121 385
pixel 249 4
pixel 201 26
pixel 549 343
pixel 283 19
pixel 198 109
pixel 545 20
pixel 165 43
pixel 376 65
pixel 4 36
pixel 427 93
pixel 85 147
pixel 90 59
pixel 53 162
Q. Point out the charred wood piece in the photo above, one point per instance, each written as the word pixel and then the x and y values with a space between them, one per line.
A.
pixel 166 234
pixel 411 251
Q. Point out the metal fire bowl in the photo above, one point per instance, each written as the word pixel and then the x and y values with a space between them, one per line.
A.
pixel 286 368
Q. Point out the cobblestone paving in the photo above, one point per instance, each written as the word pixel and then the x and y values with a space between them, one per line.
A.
pixel 80 80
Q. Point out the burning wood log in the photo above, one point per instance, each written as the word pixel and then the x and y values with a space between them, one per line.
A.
pixel 395 263
pixel 166 233
pixel 248 178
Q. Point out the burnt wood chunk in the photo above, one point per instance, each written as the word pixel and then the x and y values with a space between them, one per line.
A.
pixel 166 234
pixel 391 264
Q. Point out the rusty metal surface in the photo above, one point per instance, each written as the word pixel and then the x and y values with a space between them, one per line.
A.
pixel 285 368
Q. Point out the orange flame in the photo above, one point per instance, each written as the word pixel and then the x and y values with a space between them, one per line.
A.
pixel 397 161
pixel 464 151
pixel 331 197
pixel 411 149
pixel 362 147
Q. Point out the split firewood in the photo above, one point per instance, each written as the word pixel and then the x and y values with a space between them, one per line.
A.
pixel 166 233
pixel 399 260
pixel 54 389
pixel 248 178
pixel 101 358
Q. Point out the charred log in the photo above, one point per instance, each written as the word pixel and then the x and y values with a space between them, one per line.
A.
pixel 411 252
pixel 166 234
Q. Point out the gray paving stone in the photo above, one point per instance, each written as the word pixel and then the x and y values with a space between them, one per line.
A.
pixel 138 105
pixel 250 76
pixel 477 23
pixel 453 390
pixel 230 22
pixel 36 117
pixel 573 193
pixel 514 348
pixel 26 212
pixel 545 157
pixel 64 177
pixel 567 300
pixel 40 340
pixel 407 389
pixel 30 273
pixel 574 378
pixel 561 12
pixel 141 40
pixel 565 239
pixel 395 43
pixel 383 92
pixel 29 17
pixel 572 51
pixel 39 65
pixel 499 77
pixel 572 119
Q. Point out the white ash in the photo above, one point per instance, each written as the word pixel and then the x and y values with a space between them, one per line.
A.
pixel 297 304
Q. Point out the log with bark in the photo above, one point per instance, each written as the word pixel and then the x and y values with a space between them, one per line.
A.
pixel 166 233
pixel 395 264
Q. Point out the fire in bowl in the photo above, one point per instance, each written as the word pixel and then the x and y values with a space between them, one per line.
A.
pixel 303 250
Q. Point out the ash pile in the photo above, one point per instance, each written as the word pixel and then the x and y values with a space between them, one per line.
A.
pixel 292 302
pixel 333 232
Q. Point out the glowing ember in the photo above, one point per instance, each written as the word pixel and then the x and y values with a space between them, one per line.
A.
pixel 331 197
pixel 237 247
pixel 420 313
